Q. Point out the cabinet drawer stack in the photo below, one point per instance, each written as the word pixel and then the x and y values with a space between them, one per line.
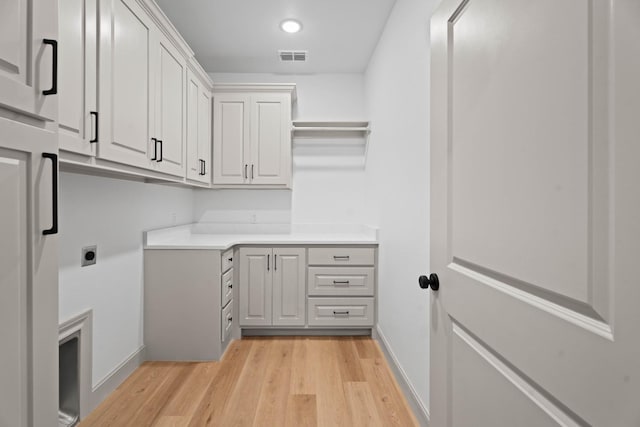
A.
pixel 226 298
pixel 341 287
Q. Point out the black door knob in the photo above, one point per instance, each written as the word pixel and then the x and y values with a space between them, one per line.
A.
pixel 429 282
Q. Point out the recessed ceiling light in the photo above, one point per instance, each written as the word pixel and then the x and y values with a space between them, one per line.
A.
pixel 290 26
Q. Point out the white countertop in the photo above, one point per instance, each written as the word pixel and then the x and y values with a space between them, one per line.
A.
pixel 222 236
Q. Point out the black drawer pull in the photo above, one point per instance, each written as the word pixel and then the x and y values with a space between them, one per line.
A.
pixel 340 282
pixel 341 313
pixel 54 66
pixel 54 186
pixel 230 259
pixel 95 137
pixel 341 257
pixel 161 151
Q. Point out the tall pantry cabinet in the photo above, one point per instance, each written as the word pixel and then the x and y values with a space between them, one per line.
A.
pixel 28 214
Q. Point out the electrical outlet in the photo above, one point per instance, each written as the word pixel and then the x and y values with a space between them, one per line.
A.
pixel 89 255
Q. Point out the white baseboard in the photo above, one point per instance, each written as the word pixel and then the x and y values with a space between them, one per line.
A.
pixel 108 384
pixel 420 411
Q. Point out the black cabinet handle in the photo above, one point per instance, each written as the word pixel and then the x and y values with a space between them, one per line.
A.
pixel 54 186
pixel 340 282
pixel 231 259
pixel 251 171
pixel 161 151
pixel 268 262
pixel 275 261
pixel 95 137
pixel 343 313
pixel 245 171
pixel 155 149
pixel 54 71
pixel 341 258
pixel 203 167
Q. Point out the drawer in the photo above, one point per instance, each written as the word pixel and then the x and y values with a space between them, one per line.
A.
pixel 340 312
pixel 227 260
pixel 226 287
pixel 341 256
pixel 227 321
pixel 341 281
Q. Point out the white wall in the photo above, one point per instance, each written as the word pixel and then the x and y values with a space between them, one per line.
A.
pixel 397 179
pixel 328 181
pixel 112 214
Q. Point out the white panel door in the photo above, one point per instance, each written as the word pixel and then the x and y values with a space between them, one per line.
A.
pixel 534 213
pixel 28 277
pixel 256 282
pixel 26 61
pixel 231 144
pixel 170 109
pixel 78 116
pixel 289 286
pixel 204 135
pixel 270 139
pixel 126 84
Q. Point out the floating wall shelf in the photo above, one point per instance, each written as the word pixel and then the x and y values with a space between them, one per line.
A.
pixel 330 129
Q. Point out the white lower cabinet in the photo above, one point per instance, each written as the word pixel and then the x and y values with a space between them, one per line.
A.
pixel 335 290
pixel 272 286
pixel 185 315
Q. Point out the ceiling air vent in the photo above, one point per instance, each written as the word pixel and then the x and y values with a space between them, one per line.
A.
pixel 292 55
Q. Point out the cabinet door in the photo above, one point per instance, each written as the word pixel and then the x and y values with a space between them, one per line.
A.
pixel 170 75
pixel 126 83
pixel 255 286
pixel 28 279
pixel 204 135
pixel 193 117
pixel 271 139
pixel 289 286
pixel 26 62
pixel 231 118
pixel 198 131
pixel 77 76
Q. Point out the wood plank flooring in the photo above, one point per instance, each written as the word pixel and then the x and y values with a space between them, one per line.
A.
pixel 282 381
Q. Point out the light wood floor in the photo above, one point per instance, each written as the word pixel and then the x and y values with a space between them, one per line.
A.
pixel 271 382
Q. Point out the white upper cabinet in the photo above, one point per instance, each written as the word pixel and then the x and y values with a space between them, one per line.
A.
pixel 127 84
pixel 252 135
pixel 231 127
pixel 271 139
pixel 28 56
pixel 78 115
pixel 170 130
pixel 198 130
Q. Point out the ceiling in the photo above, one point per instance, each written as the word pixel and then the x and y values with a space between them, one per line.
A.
pixel 243 36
